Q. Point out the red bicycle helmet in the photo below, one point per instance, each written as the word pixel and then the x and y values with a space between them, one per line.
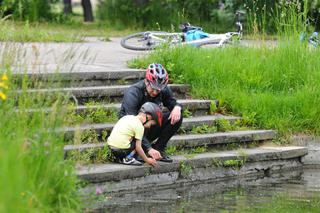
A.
pixel 153 110
pixel 157 76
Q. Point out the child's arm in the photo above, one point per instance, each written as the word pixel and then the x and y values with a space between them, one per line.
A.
pixel 141 153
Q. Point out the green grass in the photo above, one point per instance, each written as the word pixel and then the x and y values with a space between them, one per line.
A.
pixel 34 177
pixel 90 115
pixel 274 88
pixel 55 32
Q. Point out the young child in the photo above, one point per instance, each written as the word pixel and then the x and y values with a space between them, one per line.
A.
pixel 126 136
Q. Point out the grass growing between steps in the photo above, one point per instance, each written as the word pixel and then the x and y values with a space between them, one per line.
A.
pixel 220 125
pixel 274 88
pixel 90 115
pixel 34 175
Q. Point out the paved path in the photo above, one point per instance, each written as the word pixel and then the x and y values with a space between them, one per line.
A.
pixel 93 55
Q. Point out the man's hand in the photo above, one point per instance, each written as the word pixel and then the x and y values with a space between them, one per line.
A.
pixel 151 162
pixel 175 115
pixel 154 154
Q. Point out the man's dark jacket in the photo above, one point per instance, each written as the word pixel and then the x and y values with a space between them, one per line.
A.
pixel 136 95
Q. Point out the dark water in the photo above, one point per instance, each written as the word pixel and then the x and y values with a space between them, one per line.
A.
pixel 237 195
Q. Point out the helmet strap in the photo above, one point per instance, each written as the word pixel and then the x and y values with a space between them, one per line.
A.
pixel 146 120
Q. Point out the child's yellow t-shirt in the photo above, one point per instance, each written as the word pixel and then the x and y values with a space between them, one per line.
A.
pixel 127 128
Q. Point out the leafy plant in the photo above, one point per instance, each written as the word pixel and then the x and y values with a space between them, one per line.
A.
pixel 94 113
pixel 187 113
pixel 224 125
pixel 233 163
pixel 91 155
pixel 31 10
pixel 203 129
pixel 34 175
pixel 185 168
pixel 187 152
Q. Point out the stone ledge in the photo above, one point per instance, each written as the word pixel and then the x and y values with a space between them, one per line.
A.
pixel 188 123
pixel 123 74
pixel 100 93
pixel 196 106
pixel 117 172
pixel 189 141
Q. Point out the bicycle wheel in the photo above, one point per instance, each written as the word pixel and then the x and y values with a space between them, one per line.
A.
pixel 140 41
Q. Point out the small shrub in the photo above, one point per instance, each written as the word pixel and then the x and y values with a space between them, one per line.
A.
pixel 185 168
pixel 187 113
pixel 204 129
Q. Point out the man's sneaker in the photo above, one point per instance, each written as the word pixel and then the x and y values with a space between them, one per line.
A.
pixel 138 158
pixel 165 158
pixel 131 161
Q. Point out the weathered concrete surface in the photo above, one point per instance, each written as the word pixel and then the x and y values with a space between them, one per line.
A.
pixel 90 56
pixel 110 92
pixel 85 79
pixel 187 124
pixel 189 141
pixel 117 74
pixel 193 140
pixel 313 157
pixel 196 106
pixel 202 167
pixel 313 145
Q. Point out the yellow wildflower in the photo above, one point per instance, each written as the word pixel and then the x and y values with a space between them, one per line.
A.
pixel 3 85
pixel 3 96
pixel 4 77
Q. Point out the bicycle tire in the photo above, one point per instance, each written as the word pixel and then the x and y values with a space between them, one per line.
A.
pixel 125 42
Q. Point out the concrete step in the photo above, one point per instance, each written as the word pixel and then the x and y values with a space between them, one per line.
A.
pixel 188 124
pixel 196 140
pixel 196 106
pixel 82 78
pixel 185 170
pixel 105 94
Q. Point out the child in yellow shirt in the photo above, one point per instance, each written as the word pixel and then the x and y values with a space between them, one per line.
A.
pixel 126 136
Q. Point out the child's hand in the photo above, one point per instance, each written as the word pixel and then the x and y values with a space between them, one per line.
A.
pixel 151 162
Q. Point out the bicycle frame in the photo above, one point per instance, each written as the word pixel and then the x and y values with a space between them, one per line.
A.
pixel 151 39
pixel 176 38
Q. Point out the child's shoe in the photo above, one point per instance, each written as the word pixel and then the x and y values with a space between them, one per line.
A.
pixel 131 161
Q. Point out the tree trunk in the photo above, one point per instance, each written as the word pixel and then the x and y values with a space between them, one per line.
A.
pixel 67 9
pixel 87 10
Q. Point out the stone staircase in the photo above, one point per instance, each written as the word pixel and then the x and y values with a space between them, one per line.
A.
pixel 216 161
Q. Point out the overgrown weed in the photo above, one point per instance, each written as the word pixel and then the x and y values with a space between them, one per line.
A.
pixel 274 88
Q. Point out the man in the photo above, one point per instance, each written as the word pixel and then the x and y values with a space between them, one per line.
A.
pixel 154 89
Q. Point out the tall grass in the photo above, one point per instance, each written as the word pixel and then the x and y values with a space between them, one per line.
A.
pixel 168 14
pixel 33 174
pixel 274 87
pixel 31 10
pixel 74 31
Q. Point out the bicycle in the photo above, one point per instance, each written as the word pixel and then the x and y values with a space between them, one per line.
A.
pixel 150 40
